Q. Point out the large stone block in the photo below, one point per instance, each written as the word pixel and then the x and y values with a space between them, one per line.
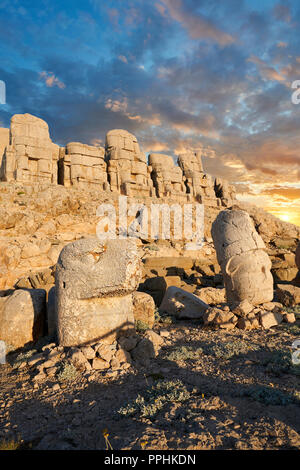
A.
pixel 77 148
pixel 245 265
pixel 22 316
pixel 94 285
pixel 144 308
pixel 127 167
pixel 288 295
pixel 29 142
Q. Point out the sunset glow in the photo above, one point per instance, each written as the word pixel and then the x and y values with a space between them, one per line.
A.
pixel 179 74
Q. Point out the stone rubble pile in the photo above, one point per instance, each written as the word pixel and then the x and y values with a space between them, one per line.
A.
pixel 216 314
pixel 49 361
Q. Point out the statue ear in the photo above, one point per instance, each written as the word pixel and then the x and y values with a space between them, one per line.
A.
pixel 230 267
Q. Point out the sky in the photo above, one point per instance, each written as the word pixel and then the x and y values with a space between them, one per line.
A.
pixel 179 74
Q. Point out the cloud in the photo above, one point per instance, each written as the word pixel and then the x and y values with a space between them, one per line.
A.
pixel 179 74
pixel 197 25
pixel 51 80
pixel 282 12
pixel 267 72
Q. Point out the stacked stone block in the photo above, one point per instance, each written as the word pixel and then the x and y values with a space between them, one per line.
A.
pixel 30 156
pixel 224 191
pixel 127 168
pixel 83 166
pixel 168 178
pixel 199 185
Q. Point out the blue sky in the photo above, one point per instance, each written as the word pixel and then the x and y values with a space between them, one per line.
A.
pixel 179 74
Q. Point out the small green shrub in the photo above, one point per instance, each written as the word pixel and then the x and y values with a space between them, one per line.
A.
pixel 280 362
pixel 141 326
pixel 232 348
pixel 183 353
pixel 155 398
pixel 23 357
pixel 157 316
pixel 67 372
pixel 269 396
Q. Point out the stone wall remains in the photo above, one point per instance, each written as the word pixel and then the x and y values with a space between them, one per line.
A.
pixel 27 155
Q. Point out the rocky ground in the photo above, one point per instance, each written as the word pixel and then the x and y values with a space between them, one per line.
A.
pixel 206 389
pixel 202 387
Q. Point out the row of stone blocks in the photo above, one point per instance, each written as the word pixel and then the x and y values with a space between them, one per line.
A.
pixel 31 156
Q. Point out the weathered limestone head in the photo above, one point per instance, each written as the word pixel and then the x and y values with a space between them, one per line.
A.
pixel 191 163
pixel 245 265
pixel 91 268
pixel 94 285
pixel 159 161
pixel 121 145
pixel 168 178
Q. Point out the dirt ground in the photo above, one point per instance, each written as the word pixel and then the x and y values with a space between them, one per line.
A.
pixel 205 390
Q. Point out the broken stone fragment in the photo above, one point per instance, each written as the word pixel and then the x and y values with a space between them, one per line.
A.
pixel 123 356
pixel 128 343
pixel 143 308
pixel 245 265
pixel 288 295
pixel 22 316
pixel 242 309
pixel 268 319
pixel 94 285
pixel 288 317
pixel 105 351
pixel 222 319
pixel 147 348
pixel 99 363
pixel 182 304
pixel 211 295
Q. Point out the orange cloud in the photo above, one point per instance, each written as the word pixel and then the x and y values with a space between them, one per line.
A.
pixel 51 80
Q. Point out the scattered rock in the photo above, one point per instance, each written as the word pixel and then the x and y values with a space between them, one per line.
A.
pixel 128 343
pixel 105 351
pixel 217 317
pixel 288 295
pixel 122 356
pixel 182 304
pixel 211 295
pixel 268 319
pixel 288 317
pixel 242 309
pixel 100 364
pixel 88 352
pixel 143 308
pixel 22 316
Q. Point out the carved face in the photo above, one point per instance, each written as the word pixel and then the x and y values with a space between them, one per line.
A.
pixel 248 276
